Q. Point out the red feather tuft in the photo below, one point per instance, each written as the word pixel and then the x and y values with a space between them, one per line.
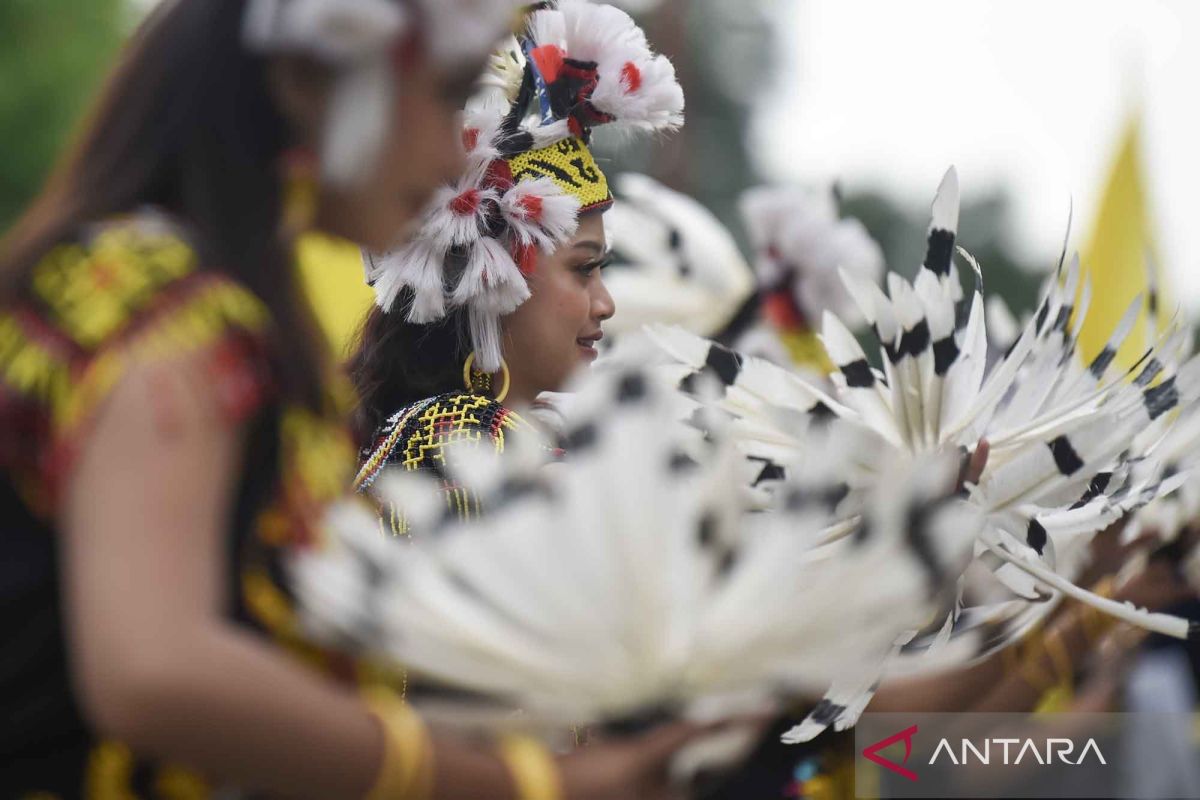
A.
pixel 499 175
pixel 526 258
pixel 470 138
pixel 466 203
pixel 781 309
pixel 631 77
pixel 532 205
pixel 549 60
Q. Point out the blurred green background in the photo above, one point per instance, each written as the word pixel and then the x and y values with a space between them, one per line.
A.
pixel 53 56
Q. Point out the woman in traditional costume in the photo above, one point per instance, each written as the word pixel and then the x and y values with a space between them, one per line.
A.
pixel 499 298
pixel 173 428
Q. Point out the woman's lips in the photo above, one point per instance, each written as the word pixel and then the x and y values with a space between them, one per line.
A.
pixel 587 347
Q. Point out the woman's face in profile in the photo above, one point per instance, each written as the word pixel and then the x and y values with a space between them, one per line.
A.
pixel 557 329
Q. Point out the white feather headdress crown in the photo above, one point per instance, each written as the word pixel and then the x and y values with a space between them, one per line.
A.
pixel 530 174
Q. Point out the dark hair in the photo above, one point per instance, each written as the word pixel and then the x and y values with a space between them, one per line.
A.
pixel 399 362
pixel 186 124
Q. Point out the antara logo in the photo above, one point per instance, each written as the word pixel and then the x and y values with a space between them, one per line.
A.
pixel 1002 751
pixel 1052 751
pixel 871 753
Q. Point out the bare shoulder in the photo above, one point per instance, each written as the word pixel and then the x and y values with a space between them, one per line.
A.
pixel 162 436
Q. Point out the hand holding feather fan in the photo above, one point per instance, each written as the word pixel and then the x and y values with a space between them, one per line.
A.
pixel 1066 458
pixel 629 582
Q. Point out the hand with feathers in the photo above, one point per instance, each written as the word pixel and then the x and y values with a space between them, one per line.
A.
pixel 1068 451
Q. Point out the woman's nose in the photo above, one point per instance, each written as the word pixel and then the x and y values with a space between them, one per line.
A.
pixel 603 306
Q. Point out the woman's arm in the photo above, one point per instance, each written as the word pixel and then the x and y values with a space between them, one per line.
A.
pixel 145 527
pixel 145 524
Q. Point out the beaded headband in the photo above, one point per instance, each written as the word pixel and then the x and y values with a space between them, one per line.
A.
pixel 530 174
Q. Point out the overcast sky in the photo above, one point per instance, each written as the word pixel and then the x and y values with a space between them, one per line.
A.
pixel 1028 94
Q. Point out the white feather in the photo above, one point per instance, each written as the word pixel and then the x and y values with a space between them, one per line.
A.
pixel 557 216
pixel 491 279
pixel 665 593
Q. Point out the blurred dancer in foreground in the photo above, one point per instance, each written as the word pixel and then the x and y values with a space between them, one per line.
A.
pixel 172 426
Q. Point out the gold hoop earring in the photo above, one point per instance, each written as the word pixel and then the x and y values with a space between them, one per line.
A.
pixel 479 382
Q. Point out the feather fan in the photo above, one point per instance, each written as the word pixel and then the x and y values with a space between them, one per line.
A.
pixel 1069 452
pixel 629 583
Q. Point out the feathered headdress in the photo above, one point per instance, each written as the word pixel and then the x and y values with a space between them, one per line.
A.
pixel 530 173
pixel 360 38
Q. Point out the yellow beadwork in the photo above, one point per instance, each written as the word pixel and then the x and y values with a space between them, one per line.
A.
pixel 93 292
pixel 418 437
pixel 197 323
pixel 31 369
pixel 447 423
pixel 570 164
pixel 319 454
pixel 441 421
pixel 131 292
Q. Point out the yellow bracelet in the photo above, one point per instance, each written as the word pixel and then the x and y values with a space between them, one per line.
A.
pixel 406 770
pixel 534 772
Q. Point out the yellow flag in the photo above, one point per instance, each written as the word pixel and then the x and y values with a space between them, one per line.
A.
pixel 1117 254
pixel 331 272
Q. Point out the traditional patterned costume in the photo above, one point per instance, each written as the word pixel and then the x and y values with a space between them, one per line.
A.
pixel 530 176
pixel 418 436
pixel 126 291
pixel 132 289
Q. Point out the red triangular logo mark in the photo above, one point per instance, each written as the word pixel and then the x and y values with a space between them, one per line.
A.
pixel 871 753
